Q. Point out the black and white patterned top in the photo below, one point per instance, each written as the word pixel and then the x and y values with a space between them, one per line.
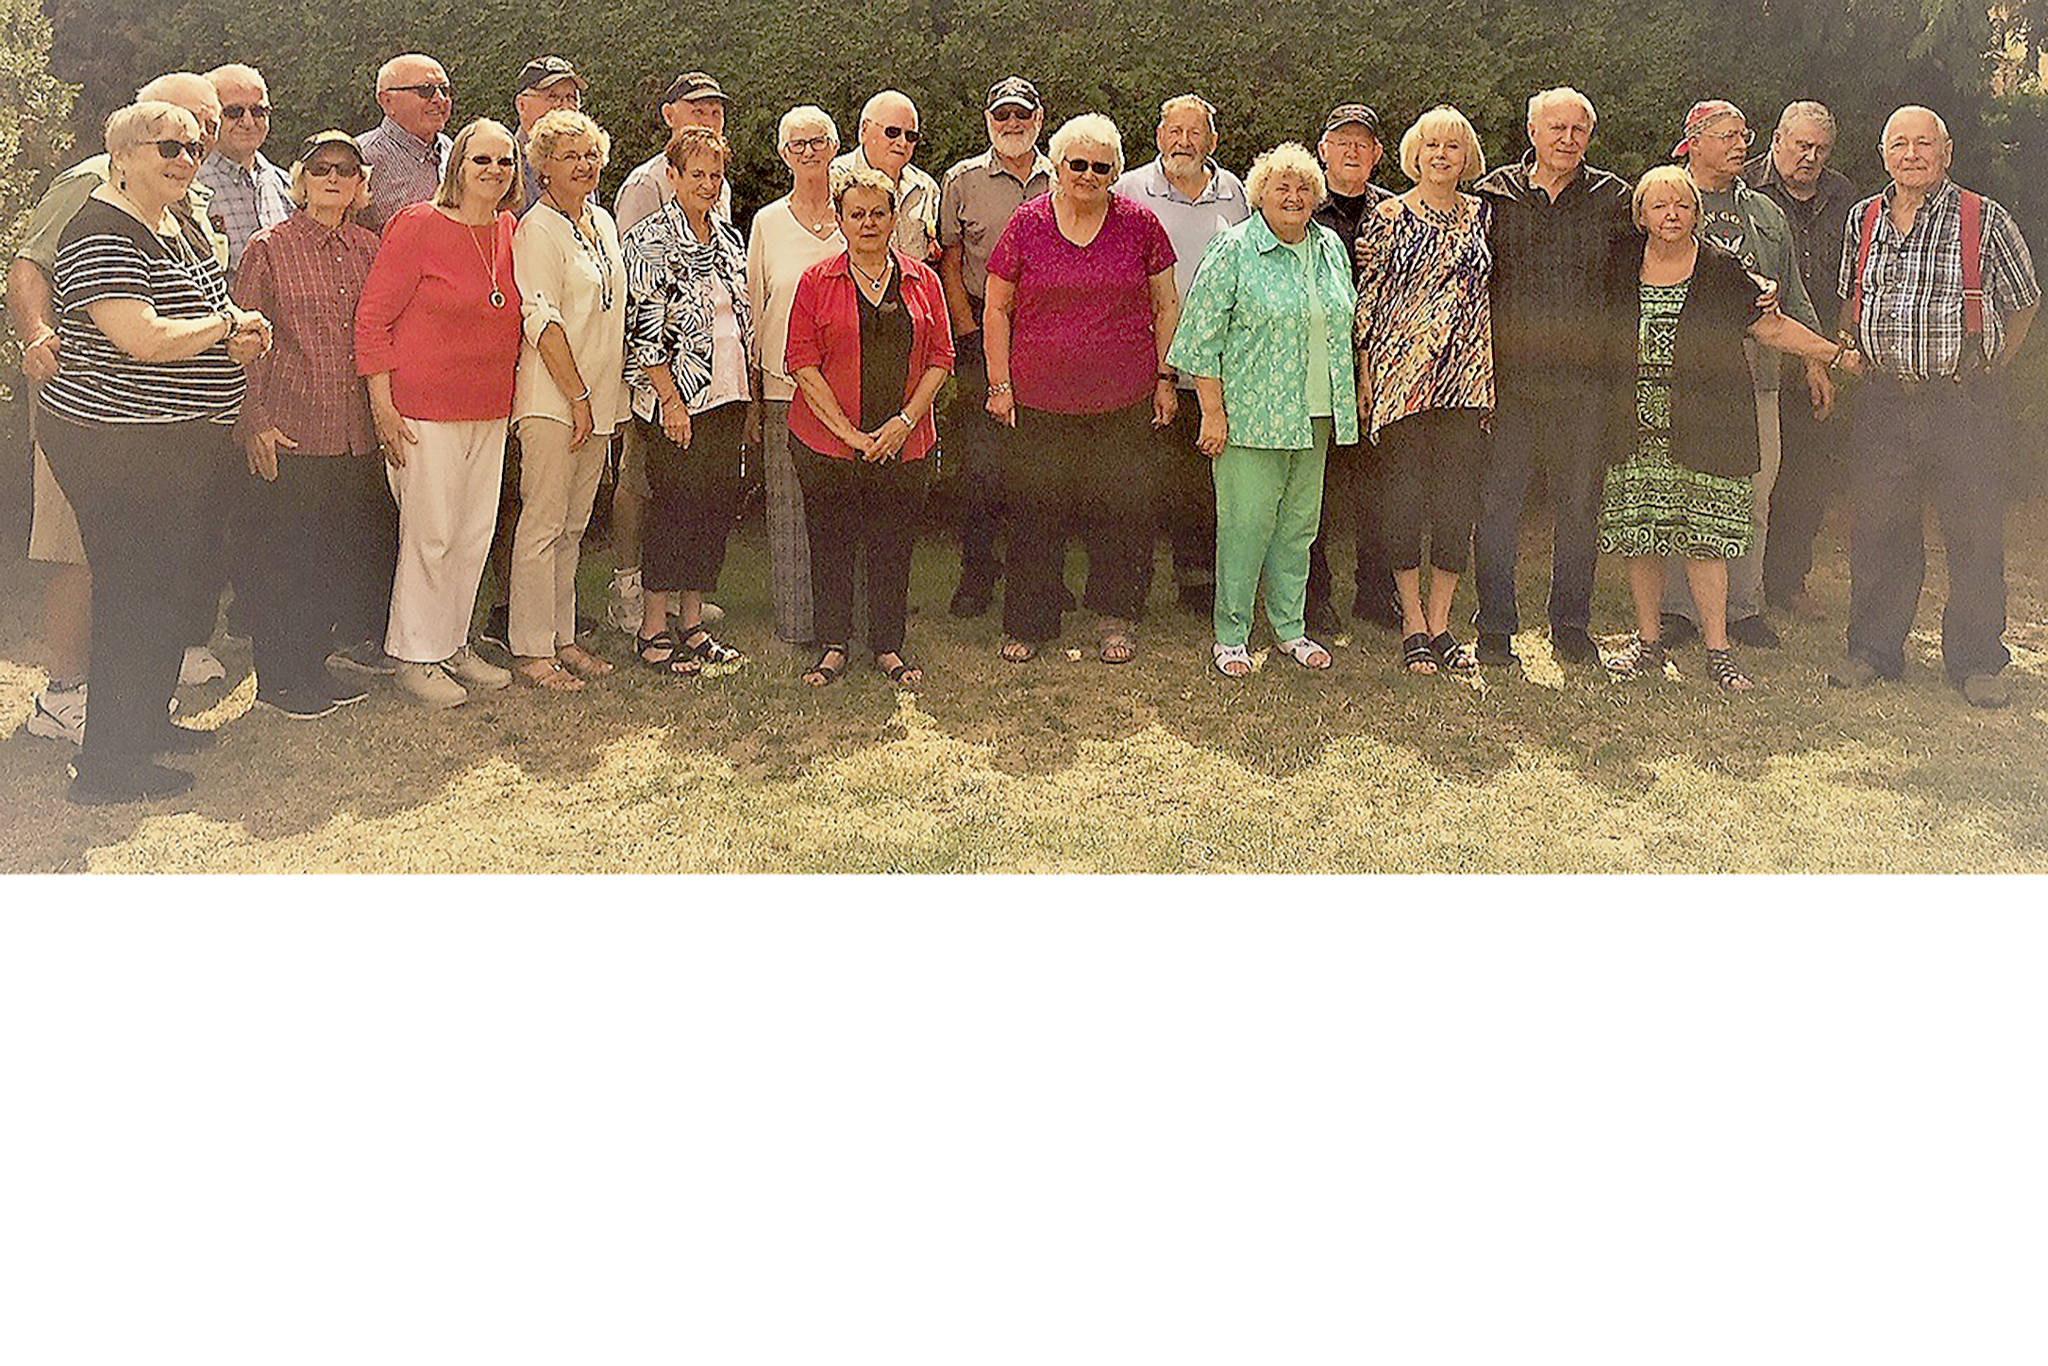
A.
pixel 671 307
pixel 106 254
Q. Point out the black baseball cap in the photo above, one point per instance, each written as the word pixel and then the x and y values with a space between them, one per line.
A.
pixel 1013 90
pixel 1354 113
pixel 693 85
pixel 543 72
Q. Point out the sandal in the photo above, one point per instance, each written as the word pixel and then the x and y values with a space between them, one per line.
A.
pixel 1451 655
pixel 672 660
pixel 582 663
pixel 1118 648
pixel 1016 651
pixel 547 675
pixel 1305 652
pixel 1224 657
pixel 1417 656
pixel 701 643
pixel 1721 668
pixel 1639 658
pixel 902 673
pixel 823 675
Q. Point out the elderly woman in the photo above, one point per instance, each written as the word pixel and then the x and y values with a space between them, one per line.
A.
pixel 689 332
pixel 790 236
pixel 1264 338
pixel 1425 380
pixel 323 528
pixel 134 424
pixel 870 344
pixel 569 395
pixel 437 334
pixel 1680 396
pixel 1080 310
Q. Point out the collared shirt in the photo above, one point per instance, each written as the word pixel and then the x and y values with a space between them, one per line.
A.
pixel 244 201
pixel 1817 227
pixel 403 170
pixel 976 200
pixel 67 195
pixel 917 205
pixel 671 308
pixel 307 279
pixel 1248 321
pixel 824 330
pixel 1549 270
pixel 1189 223
pixel 647 189
pixel 1342 213
pixel 1911 319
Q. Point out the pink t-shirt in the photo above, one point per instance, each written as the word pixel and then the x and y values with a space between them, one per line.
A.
pixel 1081 328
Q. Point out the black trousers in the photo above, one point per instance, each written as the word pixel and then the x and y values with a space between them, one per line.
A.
pixel 145 498
pixel 1941 442
pixel 1187 493
pixel 696 494
pixel 1434 462
pixel 1808 472
pixel 973 454
pixel 322 543
pixel 219 551
pixel 852 507
pixel 1092 474
pixel 1354 490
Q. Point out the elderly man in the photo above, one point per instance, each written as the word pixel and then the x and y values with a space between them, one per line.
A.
pixel 59 711
pixel 249 192
pixel 1815 199
pixel 1194 199
pixel 888 140
pixel 1751 226
pixel 1350 151
pixel 1554 221
pixel 1940 287
pixel 407 151
pixel 545 83
pixel 976 198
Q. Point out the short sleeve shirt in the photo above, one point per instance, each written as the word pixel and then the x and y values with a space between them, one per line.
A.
pixel 1081 327
pixel 976 200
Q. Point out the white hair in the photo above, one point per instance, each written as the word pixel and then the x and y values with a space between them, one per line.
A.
pixel 1543 99
pixel 876 100
pixel 1807 109
pixel 1097 130
pixel 237 72
pixel 1940 124
pixel 805 118
pixel 390 68
pixel 169 86
pixel 1288 159
pixel 1189 101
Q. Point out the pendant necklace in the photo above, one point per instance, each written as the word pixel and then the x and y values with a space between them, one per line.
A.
pixel 490 264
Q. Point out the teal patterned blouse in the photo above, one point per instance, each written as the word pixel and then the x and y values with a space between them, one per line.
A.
pixel 1246 321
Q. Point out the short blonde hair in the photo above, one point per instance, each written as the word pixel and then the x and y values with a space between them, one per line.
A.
pixel 550 128
pixel 132 125
pixel 1289 158
pixel 298 174
pixel 801 118
pixel 691 141
pixel 1667 173
pixel 1435 122
pixel 847 178
pixel 1098 130
pixel 450 193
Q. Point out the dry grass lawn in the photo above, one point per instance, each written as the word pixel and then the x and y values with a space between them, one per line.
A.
pixel 1077 766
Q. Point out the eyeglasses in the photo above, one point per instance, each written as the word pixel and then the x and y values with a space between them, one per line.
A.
pixel 811 144
pixel 428 90
pixel 1746 136
pixel 1082 165
pixel 479 159
pixel 587 158
pixel 346 170
pixel 170 149
pixel 1010 113
pixel 235 112
pixel 892 132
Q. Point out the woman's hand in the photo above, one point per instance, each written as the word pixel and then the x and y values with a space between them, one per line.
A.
pixel 885 440
pixel 675 420
pixel 1215 434
pixel 1002 407
pixel 581 423
pixel 1165 403
pixel 394 434
pixel 262 447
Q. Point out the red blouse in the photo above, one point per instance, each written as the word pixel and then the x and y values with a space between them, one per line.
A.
pixel 824 330
pixel 427 317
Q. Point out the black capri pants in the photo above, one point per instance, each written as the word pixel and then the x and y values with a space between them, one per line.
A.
pixel 696 493
pixel 1433 462
pixel 1094 473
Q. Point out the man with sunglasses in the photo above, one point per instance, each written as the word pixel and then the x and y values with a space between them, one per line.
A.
pixel 888 140
pixel 249 192
pixel 407 151
pixel 545 84
pixel 976 199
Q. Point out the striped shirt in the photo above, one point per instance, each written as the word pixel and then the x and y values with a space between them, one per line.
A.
pixel 1911 320
pixel 404 169
pixel 106 254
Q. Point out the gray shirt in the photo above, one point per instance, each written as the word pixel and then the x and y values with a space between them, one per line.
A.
pixel 976 200
pixel 1190 223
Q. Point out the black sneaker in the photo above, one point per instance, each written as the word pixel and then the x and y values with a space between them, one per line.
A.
pixel 1754 632
pixel 138 782
pixel 296 706
pixel 1674 631
pixel 343 693
pixel 365 657
pixel 177 739
pixel 1496 648
pixel 1574 645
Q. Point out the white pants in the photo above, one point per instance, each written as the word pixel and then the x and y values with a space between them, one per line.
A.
pixel 556 488
pixel 447 494
pixel 1746 575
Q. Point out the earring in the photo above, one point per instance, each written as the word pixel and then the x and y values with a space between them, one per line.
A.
pixel 121 182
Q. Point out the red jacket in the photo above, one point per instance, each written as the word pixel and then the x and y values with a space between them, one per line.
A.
pixel 824 330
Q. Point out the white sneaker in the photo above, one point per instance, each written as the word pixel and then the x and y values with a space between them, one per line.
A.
pixel 622 609
pixel 468 667
pixel 430 684
pixel 59 714
pixel 201 665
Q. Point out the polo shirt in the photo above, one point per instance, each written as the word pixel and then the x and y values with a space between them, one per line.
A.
pixel 1189 223
pixel 976 199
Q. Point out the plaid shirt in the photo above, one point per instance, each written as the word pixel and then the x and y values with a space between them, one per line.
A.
pixel 1911 320
pixel 403 170
pixel 306 279
pixel 244 201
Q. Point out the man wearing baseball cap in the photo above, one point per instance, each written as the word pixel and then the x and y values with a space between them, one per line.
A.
pixel 976 198
pixel 545 83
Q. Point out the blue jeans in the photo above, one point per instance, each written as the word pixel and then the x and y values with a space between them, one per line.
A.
pixel 1561 433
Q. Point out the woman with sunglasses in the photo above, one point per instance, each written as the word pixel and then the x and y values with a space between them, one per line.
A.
pixel 1080 310
pixel 324 530
pixel 437 334
pixel 870 344
pixel 134 423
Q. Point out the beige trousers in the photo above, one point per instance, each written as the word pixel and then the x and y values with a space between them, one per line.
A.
pixel 556 488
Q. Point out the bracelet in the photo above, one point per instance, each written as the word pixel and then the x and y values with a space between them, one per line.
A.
pixel 583 397
pixel 1001 386
pixel 907 420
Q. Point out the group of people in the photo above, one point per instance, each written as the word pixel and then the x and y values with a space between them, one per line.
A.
pixel 345 386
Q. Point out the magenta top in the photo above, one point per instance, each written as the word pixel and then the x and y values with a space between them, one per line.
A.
pixel 1081 328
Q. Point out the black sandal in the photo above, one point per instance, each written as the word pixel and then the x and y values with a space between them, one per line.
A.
pixel 901 670
pixel 1415 652
pixel 677 663
pixel 703 645
pixel 1638 658
pixel 1451 655
pixel 1721 668
pixel 827 674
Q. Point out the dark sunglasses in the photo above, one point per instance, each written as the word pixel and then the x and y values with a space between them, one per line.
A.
pixel 892 132
pixel 170 149
pixel 1010 113
pixel 479 159
pixel 428 90
pixel 236 111
pixel 323 169
pixel 1081 165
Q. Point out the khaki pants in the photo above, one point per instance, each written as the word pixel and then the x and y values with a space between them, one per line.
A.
pixel 53 527
pixel 556 488
pixel 447 494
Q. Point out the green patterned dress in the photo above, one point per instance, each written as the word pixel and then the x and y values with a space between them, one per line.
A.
pixel 1650 504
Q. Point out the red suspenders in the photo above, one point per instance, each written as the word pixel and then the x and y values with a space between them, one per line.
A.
pixel 1972 206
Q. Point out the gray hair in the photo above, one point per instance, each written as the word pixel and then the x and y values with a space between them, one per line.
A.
pixel 1543 99
pixel 867 111
pixel 550 128
pixel 1806 109
pixel 1289 158
pixel 1098 130
pixel 166 88
pixel 390 68
pixel 131 126
pixel 237 71
pixel 805 118
pixel 848 178
pixel 1940 123
pixel 1189 101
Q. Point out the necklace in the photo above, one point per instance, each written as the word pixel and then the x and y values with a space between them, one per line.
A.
pixel 877 284
pixel 1441 218
pixel 490 261
pixel 590 249
pixel 815 226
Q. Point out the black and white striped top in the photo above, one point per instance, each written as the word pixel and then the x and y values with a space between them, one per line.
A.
pixel 107 254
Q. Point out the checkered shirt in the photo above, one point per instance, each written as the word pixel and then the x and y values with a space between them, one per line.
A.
pixel 403 170
pixel 307 280
pixel 244 201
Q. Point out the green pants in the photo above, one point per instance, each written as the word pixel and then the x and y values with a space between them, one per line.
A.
pixel 1268 504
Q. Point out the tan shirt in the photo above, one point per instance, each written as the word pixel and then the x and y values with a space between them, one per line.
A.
pixel 647 189
pixel 976 200
pixel 917 206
